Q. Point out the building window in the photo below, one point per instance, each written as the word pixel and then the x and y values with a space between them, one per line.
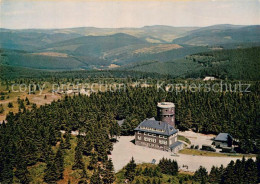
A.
pixel 139 138
pixel 149 139
pixel 163 142
pixel 139 132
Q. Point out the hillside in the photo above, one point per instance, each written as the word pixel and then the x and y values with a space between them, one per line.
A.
pixel 224 34
pixel 34 39
pixel 30 40
pixel 140 49
pixel 94 45
pixel 30 60
pixel 240 64
pixel 176 69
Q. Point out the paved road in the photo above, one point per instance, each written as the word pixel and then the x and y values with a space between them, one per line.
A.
pixel 124 150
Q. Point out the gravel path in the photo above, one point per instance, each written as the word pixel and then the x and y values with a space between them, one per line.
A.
pixel 125 149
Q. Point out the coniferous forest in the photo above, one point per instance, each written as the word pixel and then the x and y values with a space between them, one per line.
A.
pixel 34 136
pixel 241 171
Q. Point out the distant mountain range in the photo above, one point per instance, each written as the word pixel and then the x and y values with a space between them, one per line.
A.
pixel 90 48
pixel 221 34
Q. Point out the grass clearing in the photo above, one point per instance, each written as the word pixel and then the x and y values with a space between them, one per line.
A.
pixel 212 154
pixel 182 138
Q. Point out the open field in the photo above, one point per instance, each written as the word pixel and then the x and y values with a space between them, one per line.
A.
pixel 157 48
pixel 125 149
pixel 44 95
pixel 53 54
pixel 37 97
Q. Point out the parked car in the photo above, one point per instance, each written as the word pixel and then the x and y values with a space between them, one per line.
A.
pixel 208 148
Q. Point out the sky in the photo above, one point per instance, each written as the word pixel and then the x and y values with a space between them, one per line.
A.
pixel 23 14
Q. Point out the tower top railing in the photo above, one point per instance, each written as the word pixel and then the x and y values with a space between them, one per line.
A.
pixel 165 105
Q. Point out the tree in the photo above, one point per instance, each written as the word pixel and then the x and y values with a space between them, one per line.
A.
pixel 251 171
pixel 84 173
pixel 154 181
pixel 215 175
pixel 7 172
pixel 258 166
pixel 137 181
pixel 109 175
pixel 95 178
pixel 130 170
pixel 10 105
pixel 21 171
pixel 168 166
pixel 78 161
pixel 201 175
pixel 67 144
pixel 27 101
pixel 228 175
pixel 59 161
pixel 51 172
pixel 88 146
pixel 1 108
pixel 93 161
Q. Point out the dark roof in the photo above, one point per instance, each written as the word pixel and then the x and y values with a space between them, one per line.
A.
pixel 176 144
pixel 223 137
pixel 151 123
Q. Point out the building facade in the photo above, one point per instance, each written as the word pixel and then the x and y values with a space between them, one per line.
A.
pixel 223 140
pixel 159 134
pixel 155 134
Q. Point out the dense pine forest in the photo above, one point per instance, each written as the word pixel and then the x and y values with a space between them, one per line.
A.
pixel 231 64
pixel 34 136
pixel 241 171
pixel 240 64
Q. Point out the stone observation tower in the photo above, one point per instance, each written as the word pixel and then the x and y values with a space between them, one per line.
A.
pixel 166 112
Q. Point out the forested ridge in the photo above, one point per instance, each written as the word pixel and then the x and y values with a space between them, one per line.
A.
pixel 29 135
pixel 15 73
pixel 240 64
pixel 231 64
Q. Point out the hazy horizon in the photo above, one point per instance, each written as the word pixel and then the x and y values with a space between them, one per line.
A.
pixel 57 14
pixel 126 27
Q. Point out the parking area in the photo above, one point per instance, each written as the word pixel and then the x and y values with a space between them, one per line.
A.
pixel 124 150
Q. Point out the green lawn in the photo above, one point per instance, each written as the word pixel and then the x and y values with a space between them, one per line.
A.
pixel 182 138
pixel 213 154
